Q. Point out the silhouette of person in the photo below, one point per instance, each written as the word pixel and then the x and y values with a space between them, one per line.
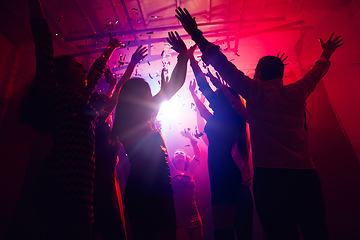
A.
pixel 287 190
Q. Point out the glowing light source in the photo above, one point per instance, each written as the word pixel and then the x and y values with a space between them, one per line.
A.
pixel 168 111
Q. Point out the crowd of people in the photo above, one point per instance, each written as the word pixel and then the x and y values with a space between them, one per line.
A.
pixel 76 195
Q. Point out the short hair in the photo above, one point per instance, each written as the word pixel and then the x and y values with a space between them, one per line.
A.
pixel 270 67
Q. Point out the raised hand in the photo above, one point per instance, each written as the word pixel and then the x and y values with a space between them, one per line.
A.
pixel 191 51
pixel 176 42
pixel 330 46
pixel 113 42
pixel 215 80
pixel 139 54
pixel 164 81
pixel 109 77
pixel 192 87
pixel 282 58
pixel 188 22
pixel 186 134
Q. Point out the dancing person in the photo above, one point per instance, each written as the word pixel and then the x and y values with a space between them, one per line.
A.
pixel 108 211
pixel 224 128
pixel 287 189
pixel 183 184
pixel 56 103
pixel 148 195
pixel 241 157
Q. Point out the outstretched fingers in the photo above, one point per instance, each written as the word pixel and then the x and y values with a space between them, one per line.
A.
pixel 142 50
pixel 140 53
pixel 282 58
pixel 171 37
pixel 187 12
pixel 331 36
pixel 182 12
pixel 330 45
pixel 338 41
pixel 177 35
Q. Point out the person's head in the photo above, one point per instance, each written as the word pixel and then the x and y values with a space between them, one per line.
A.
pixel 269 67
pixel 133 109
pixel 33 109
pixel 69 72
pixel 180 157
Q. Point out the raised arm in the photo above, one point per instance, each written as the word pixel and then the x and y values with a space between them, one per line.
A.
pixel 137 56
pixel 35 9
pixel 307 84
pixel 191 28
pixel 330 46
pixel 111 80
pixel 43 47
pixel 242 84
pixel 203 111
pixel 98 67
pixel 197 152
pixel 201 122
pixel 204 86
pixel 235 103
pixel 178 75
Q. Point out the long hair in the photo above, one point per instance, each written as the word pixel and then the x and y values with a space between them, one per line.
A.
pixel 133 110
pixel 34 109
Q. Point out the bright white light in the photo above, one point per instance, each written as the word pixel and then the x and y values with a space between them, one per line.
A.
pixel 168 111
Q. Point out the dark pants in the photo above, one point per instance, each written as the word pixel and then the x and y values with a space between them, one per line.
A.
pixel 107 215
pixel 288 198
pixel 244 214
pixel 225 180
pixel 150 213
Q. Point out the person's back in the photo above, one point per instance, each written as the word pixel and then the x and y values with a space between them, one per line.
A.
pixel 277 133
pixel 276 116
